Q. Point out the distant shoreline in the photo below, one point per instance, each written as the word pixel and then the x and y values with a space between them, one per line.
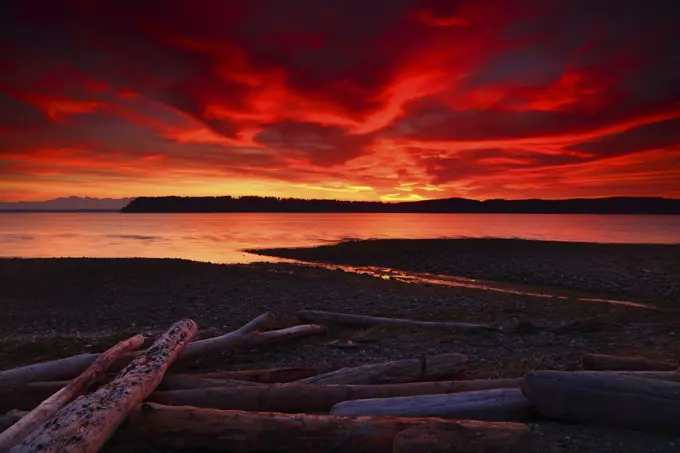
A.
pixel 227 204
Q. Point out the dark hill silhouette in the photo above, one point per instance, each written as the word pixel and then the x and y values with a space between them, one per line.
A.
pixel 618 205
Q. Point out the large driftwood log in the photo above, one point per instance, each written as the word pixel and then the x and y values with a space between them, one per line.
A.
pixel 191 382
pixel 424 439
pixel 86 424
pixel 497 405
pixel 603 362
pixel 29 396
pixel 273 375
pixel 70 367
pixel 17 432
pixel 240 432
pixel 426 368
pixel 605 398
pixel 313 398
pixel 329 318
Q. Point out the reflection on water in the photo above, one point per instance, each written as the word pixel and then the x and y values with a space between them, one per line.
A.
pixel 461 282
pixel 221 238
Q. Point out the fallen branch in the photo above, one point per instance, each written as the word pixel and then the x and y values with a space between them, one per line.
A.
pixel 271 376
pixel 313 398
pixel 86 424
pixel 190 382
pixel 236 431
pixel 329 318
pixel 602 362
pixel 605 398
pixel 426 368
pixel 17 432
pixel 498 405
pixel 69 367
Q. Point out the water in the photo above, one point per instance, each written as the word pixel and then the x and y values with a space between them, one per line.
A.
pixel 220 238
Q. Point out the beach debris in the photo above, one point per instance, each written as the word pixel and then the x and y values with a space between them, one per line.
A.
pixel 313 398
pixel 86 424
pixel 248 335
pixel 19 430
pixel 338 344
pixel 605 398
pixel 499 405
pixel 238 431
pixel 272 375
pixel 426 368
pixel 424 439
pixel 603 362
pixel 329 318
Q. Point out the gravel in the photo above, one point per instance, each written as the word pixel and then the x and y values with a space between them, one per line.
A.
pixel 59 307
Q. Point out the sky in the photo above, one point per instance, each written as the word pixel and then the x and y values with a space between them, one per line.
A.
pixel 351 99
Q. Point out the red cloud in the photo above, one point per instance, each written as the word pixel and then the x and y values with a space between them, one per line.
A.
pixel 415 98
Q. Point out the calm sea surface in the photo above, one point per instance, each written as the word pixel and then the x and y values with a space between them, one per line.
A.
pixel 222 237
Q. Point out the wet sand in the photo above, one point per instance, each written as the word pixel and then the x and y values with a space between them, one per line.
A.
pixel 59 307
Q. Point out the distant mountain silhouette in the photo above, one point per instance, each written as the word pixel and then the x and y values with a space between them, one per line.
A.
pixel 617 205
pixel 67 204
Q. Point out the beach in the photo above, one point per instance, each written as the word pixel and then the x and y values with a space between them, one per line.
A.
pixel 60 307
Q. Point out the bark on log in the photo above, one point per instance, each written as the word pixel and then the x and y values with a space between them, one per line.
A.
pixel 328 318
pixel 69 367
pixel 423 439
pixel 605 398
pixel 240 432
pixel 603 362
pixel 18 431
pixel 273 375
pixel 495 405
pixel 426 368
pixel 10 418
pixel 313 398
pixel 86 424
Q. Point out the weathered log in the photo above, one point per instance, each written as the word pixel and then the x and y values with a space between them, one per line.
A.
pixel 10 418
pixel 673 376
pixel 86 424
pixel 69 367
pixel 272 375
pixel 188 381
pixel 17 432
pixel 329 318
pixel 240 432
pixel 423 439
pixel 496 405
pixel 603 362
pixel 313 398
pixel 605 398
pixel 426 368
pixel 29 396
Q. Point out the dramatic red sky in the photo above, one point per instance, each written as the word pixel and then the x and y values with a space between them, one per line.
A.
pixel 350 99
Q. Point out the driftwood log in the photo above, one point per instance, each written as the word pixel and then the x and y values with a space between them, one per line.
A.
pixel 427 368
pixel 314 398
pixel 240 432
pixel 329 318
pixel 69 367
pixel 189 381
pixel 272 375
pixel 424 439
pixel 603 362
pixel 86 424
pixel 17 432
pixel 496 405
pixel 605 398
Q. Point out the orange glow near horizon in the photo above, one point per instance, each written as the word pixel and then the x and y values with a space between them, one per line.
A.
pixel 420 99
